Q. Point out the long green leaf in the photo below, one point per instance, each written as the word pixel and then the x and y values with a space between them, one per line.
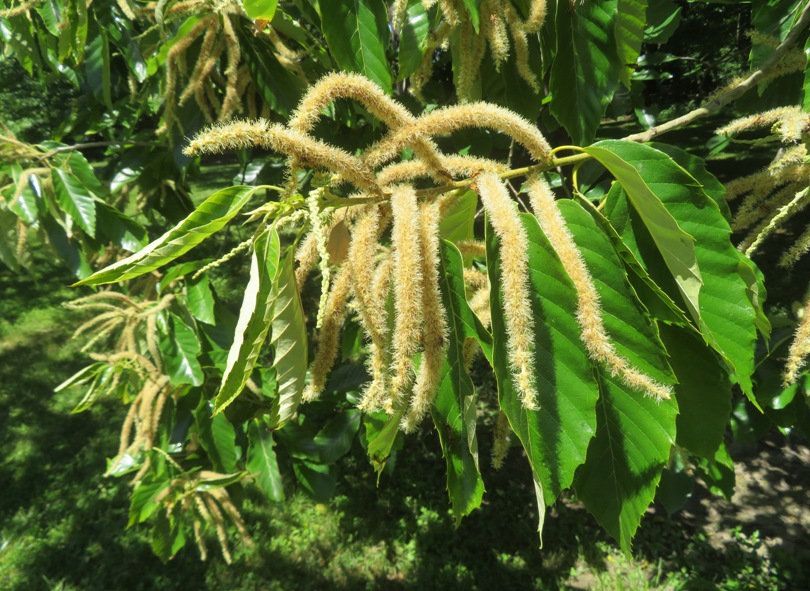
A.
pixel 636 167
pixel 217 437
pixel 75 200
pixel 210 217
pixel 289 342
pixel 262 461
pixel 726 315
pixel 632 331
pixel 179 347
pixel 633 438
pixel 254 319
pixel 454 412
pixel 357 32
pixel 630 21
pixel 556 436
pixel 585 71
pixel 260 9
pixel 413 38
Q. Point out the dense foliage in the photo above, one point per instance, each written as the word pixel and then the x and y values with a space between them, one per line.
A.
pixel 410 243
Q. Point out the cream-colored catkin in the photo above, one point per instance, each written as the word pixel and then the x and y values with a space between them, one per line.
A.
pixel 514 266
pixel 240 135
pixel 435 321
pixel 761 203
pixel 375 393
pixel 425 70
pixel 450 119
pixel 339 85
pixel 406 245
pixel 494 27
pixel 458 166
pixel 328 337
pixel 799 348
pixel 399 10
pixel 792 123
pixel 479 304
pixel 521 41
pixel 360 258
pixel 797 250
pixel 589 310
pixel 752 242
pixel 206 60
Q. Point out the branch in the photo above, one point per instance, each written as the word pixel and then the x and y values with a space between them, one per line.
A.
pixel 735 91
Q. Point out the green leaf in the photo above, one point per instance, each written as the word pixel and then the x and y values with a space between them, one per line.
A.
pixel 289 342
pixel 97 68
pixel 457 223
pixel 200 299
pixel 209 217
pixel 384 441
pixel 556 436
pixel 454 412
pixel 326 446
pixel 663 18
pixel 453 282
pixel 218 438
pixel 725 313
pixel 167 537
pixel 472 10
pixel 262 462
pixel 142 501
pixel 634 435
pixel 123 231
pixel 718 473
pixel 179 348
pixel 703 392
pixel 260 9
pixel 413 38
pixel 630 21
pixel 585 71
pixel 27 203
pixel 626 161
pixel 357 33
pixel 317 480
pixel 8 240
pixel 75 200
pixel 633 333
pixel 279 87
pixel 254 319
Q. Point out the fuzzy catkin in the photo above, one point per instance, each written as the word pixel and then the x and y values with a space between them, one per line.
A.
pixel 589 310
pixel 435 320
pixel 514 267
pixel 406 245
pixel 799 348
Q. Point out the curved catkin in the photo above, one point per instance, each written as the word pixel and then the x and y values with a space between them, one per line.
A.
pixel 797 250
pixel 458 166
pixel 435 321
pixel 374 395
pixel 494 28
pixel 240 135
pixel 514 267
pixel 799 348
pixel 589 310
pixel 407 271
pixel 752 242
pixel 359 88
pixel 328 337
pixel 450 119
pixel 360 258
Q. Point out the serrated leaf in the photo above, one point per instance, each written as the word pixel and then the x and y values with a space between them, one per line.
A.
pixel 626 162
pixel 633 437
pixel 217 437
pixel 454 412
pixel 357 32
pixel 27 203
pixel 278 86
pixel 725 314
pixel 180 347
pixel 585 71
pixel 630 21
pixel 75 200
pixel 632 332
pixel 413 38
pixel 555 437
pixel 123 231
pixel 254 319
pixel 142 501
pixel 209 217
pixel 260 9
pixel 457 223
pixel 703 392
pixel 289 342
pixel 200 299
pixel 262 461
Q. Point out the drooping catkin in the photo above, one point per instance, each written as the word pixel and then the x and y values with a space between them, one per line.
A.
pixel 799 348
pixel 752 242
pixel 514 267
pixel 240 135
pixel 359 88
pixel 589 310
pixel 450 119
pixel 458 166
pixel 494 27
pixel 435 320
pixel 328 336
pixel 500 440
pixel 375 393
pixel 406 245
pixel 360 258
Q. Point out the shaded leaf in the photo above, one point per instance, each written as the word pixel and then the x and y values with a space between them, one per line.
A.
pixel 75 200
pixel 630 21
pixel 413 38
pixel 260 9
pixel 457 222
pixel 317 480
pixel 262 462
pixel 218 438
pixel 200 299
pixel 179 348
